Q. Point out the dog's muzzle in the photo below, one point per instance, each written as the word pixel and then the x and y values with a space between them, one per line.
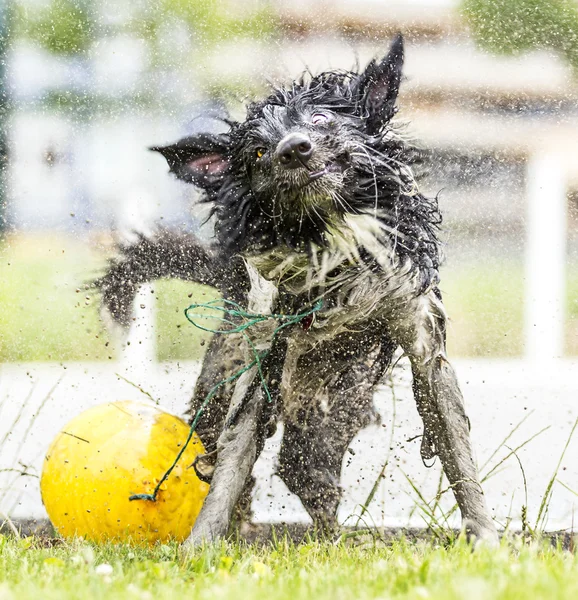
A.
pixel 294 151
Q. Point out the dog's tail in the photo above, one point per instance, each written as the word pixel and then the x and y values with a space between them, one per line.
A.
pixel 166 254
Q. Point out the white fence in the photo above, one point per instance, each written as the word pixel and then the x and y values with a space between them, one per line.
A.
pixel 511 405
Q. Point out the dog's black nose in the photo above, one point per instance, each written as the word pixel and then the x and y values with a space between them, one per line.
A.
pixel 294 150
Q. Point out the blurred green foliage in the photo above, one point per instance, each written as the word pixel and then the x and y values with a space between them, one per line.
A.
pixel 60 26
pixel 178 33
pixel 70 26
pixel 511 26
pixel 209 21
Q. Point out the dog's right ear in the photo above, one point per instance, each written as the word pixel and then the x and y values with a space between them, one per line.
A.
pixel 200 159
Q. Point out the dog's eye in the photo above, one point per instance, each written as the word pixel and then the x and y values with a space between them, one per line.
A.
pixel 319 118
pixel 260 152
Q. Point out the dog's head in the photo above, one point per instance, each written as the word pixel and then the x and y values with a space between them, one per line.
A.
pixel 304 157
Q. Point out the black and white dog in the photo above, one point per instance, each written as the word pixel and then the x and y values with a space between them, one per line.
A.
pixel 315 200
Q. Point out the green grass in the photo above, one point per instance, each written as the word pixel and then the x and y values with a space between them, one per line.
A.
pixel 314 570
pixel 177 339
pixel 572 310
pixel 44 317
pixel 485 304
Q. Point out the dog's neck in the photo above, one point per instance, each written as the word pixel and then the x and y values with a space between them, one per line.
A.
pixel 351 243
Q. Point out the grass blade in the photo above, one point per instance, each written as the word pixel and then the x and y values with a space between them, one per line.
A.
pixel 543 510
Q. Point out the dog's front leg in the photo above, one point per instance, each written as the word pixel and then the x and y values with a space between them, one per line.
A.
pixel 236 455
pixel 440 403
pixel 223 358
pixel 446 427
pixel 241 439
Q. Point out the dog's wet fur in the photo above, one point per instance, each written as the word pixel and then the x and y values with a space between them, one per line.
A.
pixel 315 199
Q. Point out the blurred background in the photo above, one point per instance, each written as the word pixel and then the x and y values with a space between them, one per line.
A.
pixel 87 85
pixel 491 91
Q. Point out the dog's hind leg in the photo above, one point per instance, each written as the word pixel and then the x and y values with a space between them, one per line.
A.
pixel 421 333
pixel 319 429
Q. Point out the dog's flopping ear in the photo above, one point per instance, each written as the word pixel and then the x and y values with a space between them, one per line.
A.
pixel 200 159
pixel 379 86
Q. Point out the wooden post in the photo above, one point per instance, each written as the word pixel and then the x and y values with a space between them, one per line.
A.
pixel 545 273
pixel 139 350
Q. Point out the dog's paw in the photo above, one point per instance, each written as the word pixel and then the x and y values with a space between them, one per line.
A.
pixel 193 543
pixel 198 541
pixel 482 535
pixel 207 530
pixel 427 449
pixel 204 465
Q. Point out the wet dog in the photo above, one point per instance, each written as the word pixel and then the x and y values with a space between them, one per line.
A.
pixel 315 204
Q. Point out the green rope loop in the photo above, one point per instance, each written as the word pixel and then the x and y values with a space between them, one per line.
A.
pixel 228 307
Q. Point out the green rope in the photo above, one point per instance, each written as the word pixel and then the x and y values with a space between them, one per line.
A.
pixel 228 307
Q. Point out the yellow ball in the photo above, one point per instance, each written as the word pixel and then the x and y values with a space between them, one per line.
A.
pixel 111 452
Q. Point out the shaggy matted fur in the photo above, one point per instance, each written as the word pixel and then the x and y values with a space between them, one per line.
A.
pixel 315 199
